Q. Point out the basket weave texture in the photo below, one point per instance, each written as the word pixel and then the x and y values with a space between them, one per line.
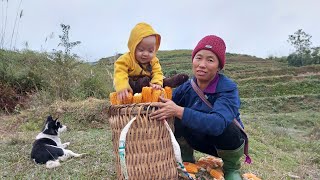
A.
pixel 149 151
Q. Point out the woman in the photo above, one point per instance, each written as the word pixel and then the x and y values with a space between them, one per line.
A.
pixel 209 123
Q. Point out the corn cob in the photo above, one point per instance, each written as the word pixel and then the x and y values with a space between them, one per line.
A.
pixel 128 99
pixel 164 93
pixel 113 98
pixel 191 168
pixel 137 98
pixel 155 95
pixel 168 92
pixel 210 161
pixel 250 176
pixel 216 174
pixel 146 94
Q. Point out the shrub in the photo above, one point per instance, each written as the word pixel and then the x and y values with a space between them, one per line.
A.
pixel 303 59
pixel 9 99
pixel 93 87
pixel 295 60
pixel 29 82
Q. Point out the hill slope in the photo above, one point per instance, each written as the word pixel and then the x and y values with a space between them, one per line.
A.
pixel 280 109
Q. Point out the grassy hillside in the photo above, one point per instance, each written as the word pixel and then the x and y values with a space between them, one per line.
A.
pixel 280 109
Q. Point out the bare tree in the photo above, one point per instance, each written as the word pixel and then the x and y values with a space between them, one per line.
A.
pixel 301 41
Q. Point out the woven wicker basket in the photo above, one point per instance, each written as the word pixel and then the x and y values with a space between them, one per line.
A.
pixel 149 151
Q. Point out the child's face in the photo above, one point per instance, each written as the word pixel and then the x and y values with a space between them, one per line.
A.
pixel 145 50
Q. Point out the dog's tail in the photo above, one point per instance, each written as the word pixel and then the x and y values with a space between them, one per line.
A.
pixel 52 164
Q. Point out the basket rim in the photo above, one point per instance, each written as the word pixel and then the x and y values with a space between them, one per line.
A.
pixel 131 109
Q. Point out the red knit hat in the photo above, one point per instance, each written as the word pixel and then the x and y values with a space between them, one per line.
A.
pixel 214 44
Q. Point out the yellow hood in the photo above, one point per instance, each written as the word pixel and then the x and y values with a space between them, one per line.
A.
pixel 140 31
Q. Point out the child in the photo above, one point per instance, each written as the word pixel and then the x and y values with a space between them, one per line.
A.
pixel 140 67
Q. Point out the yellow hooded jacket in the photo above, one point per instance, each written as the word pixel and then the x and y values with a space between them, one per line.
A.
pixel 127 66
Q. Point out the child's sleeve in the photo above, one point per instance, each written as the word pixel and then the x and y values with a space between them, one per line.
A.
pixel 157 75
pixel 120 77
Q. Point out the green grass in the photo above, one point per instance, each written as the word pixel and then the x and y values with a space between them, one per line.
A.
pixel 269 80
pixel 281 143
pixel 280 89
pixel 274 69
pixel 98 163
pixel 281 104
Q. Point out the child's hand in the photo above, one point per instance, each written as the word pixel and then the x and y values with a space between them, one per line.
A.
pixel 121 95
pixel 155 86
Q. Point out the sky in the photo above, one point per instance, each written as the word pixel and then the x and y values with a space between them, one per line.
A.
pixel 253 27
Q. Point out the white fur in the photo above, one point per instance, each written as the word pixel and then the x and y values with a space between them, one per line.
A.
pixel 63 129
pixel 54 138
pixel 68 154
pixel 53 164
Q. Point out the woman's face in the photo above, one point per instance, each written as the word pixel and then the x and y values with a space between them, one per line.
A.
pixel 205 66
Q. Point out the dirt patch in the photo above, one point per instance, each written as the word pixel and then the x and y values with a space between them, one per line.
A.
pixel 9 124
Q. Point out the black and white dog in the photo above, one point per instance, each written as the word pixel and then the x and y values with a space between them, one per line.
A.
pixel 47 148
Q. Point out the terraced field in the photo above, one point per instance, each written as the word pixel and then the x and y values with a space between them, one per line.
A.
pixel 280 109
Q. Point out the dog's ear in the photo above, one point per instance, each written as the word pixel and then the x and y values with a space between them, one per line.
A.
pixel 56 119
pixel 58 124
pixel 49 118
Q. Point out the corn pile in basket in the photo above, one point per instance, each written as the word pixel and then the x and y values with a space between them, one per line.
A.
pixel 147 95
pixel 210 168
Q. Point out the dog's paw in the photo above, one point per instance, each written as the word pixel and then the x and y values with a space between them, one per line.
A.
pixel 64 145
pixel 77 155
pixel 83 154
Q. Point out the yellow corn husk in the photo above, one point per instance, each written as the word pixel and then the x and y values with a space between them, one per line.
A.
pixel 191 168
pixel 128 99
pixel 169 92
pixel 216 174
pixel 155 95
pixel 146 94
pixel 137 98
pixel 113 98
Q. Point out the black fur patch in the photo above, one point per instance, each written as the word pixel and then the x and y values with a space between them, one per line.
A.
pixel 43 152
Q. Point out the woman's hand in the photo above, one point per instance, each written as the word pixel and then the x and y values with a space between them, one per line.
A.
pixel 167 109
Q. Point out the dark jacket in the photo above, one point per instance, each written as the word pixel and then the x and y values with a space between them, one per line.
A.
pixel 205 121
